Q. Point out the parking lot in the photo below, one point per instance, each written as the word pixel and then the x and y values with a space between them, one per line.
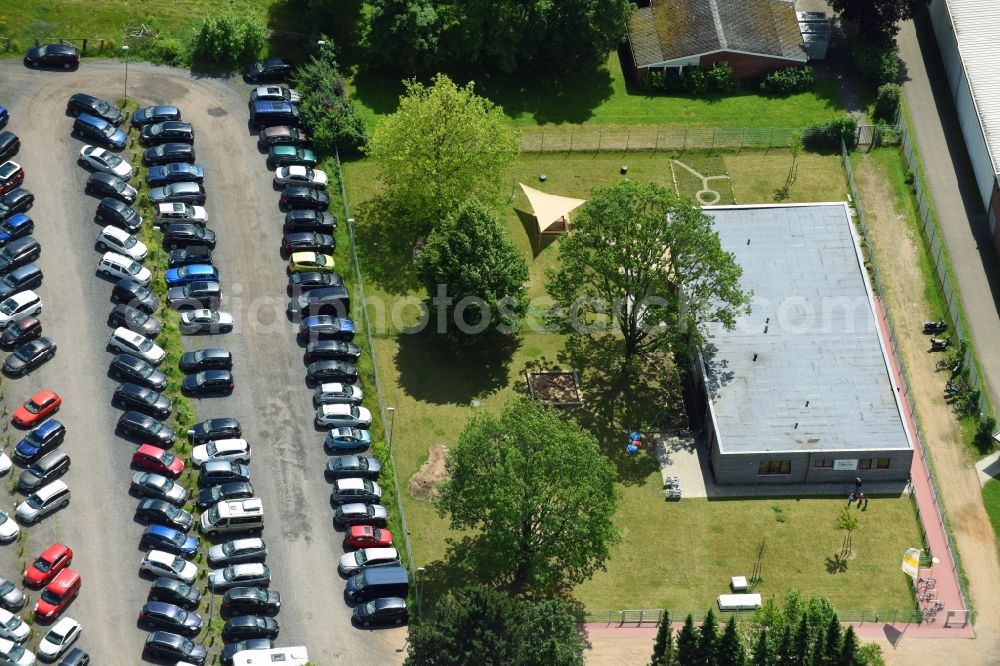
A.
pixel 271 399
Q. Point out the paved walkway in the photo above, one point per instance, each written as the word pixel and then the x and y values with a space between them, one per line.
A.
pixel 953 189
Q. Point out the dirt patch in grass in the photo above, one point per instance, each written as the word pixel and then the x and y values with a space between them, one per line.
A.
pixel 424 484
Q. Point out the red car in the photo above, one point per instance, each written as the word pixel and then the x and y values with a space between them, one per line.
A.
pixel 154 459
pixel 366 536
pixel 36 409
pixel 58 595
pixel 11 176
pixel 54 559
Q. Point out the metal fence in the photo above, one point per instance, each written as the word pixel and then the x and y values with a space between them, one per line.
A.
pixel 362 304
pixel 85 44
pixel 653 616
pixel 928 462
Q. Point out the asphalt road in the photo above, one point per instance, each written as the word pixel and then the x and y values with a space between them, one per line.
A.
pixel 271 399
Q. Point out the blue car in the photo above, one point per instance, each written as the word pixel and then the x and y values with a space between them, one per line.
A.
pixel 40 441
pixel 99 131
pixel 14 227
pixel 175 172
pixel 326 327
pixel 347 440
pixel 178 277
pixel 4 117
pixel 161 537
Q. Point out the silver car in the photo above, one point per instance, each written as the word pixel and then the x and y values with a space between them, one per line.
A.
pixel 42 502
pixel 11 597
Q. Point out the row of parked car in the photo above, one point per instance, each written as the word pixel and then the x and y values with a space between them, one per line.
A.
pixel 320 303
pixel 38 452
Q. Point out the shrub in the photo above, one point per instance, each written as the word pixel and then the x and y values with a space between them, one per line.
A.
pixel 877 64
pixel 227 40
pixel 887 101
pixel 827 136
pixel 788 80
pixel 655 80
pixel 168 51
pixel 985 427
pixel 721 78
pixel 700 80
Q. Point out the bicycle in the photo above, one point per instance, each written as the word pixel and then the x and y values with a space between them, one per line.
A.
pixel 928 615
pixel 926 584
pixel 929 595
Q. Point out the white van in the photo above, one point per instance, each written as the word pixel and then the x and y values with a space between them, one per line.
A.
pixel 245 515
pixel 119 266
pixel 288 656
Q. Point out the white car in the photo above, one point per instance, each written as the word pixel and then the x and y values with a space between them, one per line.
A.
pixel 275 94
pixel 16 654
pixel 12 627
pixel 121 242
pixel 352 563
pixel 167 213
pixel 100 159
pixel 332 393
pixel 162 563
pixel 300 175
pixel 343 416
pixel 8 529
pixel 5 463
pixel 205 320
pixel 21 304
pixel 120 267
pixel 131 342
pixel 42 502
pixel 233 450
pixel 58 639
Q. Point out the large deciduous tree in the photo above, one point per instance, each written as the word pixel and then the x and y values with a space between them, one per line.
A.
pixel 443 144
pixel 483 626
pixel 538 491
pixel 651 262
pixel 470 257
pixel 878 20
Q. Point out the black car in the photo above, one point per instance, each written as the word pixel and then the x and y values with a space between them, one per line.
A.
pixel 186 192
pixel 294 196
pixel 134 319
pixel 226 491
pixel 9 145
pixel 302 282
pixel 18 200
pixel 4 117
pixel 254 600
pixel 84 103
pixel 213 429
pixel 361 513
pixel 310 220
pixel 28 276
pixel 168 616
pixel 29 356
pixel 43 471
pixel 21 331
pixel 207 359
pixel 132 293
pixel 175 592
pixel 106 185
pixel 142 399
pixel 18 253
pixel 388 610
pixel 343 467
pixel 76 657
pixel 333 301
pixel 164 513
pixel 169 152
pixel 118 213
pixel 208 382
pixel 217 472
pixel 183 234
pixel 250 626
pixel 146 429
pixel 53 55
pixel 185 256
pixel 282 135
pixel 175 172
pixel 155 114
pixel 137 371
pixel 272 69
pixel 332 371
pixel 334 350
pixel 194 295
pixel 175 647
pixel 230 650
pixel 171 131
pixel 305 241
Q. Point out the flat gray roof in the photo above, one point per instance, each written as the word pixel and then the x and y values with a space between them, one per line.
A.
pixel 821 363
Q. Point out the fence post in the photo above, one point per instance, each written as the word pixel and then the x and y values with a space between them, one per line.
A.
pixel 628 136
pixel 600 137
pixel 656 144
pixel 541 146
pixel 743 136
pixel 715 131
pixel 571 133
pixel 685 144
pixel 101 47
pixel 84 46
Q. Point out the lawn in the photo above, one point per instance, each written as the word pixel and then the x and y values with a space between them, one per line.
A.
pixel 434 396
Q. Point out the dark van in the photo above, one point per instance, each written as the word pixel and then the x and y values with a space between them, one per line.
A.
pixel 378 582
pixel 334 301
pixel 269 114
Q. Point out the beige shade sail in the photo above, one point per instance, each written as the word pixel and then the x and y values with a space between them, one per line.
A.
pixel 550 209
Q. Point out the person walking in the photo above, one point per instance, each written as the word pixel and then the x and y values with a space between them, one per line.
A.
pixel 857 484
pixel 850 499
pixel 865 507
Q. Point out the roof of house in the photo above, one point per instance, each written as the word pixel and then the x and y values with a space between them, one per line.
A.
pixel 671 30
pixel 806 369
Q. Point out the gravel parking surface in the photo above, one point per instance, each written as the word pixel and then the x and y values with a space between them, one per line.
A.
pixel 271 399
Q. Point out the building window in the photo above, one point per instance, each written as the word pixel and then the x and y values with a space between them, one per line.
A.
pixel 865 463
pixel 881 463
pixel 774 467
pixel 823 462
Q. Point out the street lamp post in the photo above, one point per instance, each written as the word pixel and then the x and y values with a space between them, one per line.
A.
pixel 392 424
pixel 125 49
pixel 420 591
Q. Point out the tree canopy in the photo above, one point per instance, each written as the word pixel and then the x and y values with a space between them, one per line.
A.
pixel 471 255
pixel 480 625
pixel 539 492
pixel 328 112
pixel 443 144
pixel 878 20
pixel 651 261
